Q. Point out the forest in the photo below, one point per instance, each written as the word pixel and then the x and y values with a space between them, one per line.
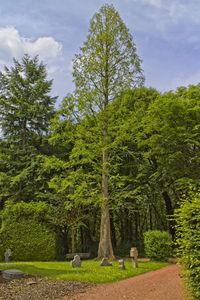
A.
pixel 114 160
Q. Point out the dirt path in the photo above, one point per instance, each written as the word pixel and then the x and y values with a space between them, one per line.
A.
pixel 163 284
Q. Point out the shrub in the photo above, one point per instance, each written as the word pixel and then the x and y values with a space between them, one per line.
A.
pixel 25 234
pixel 23 210
pixel 188 241
pixel 157 244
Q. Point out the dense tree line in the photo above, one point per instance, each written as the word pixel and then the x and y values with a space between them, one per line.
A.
pixel 116 157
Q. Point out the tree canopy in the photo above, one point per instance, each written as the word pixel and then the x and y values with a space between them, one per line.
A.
pixel 107 65
pixel 113 161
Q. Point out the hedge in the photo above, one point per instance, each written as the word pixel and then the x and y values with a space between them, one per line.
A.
pixel 188 241
pixel 157 244
pixel 23 231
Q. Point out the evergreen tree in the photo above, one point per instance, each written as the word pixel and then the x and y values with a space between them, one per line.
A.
pixel 25 111
pixel 108 63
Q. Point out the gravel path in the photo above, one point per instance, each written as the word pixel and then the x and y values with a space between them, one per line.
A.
pixel 163 284
pixel 40 289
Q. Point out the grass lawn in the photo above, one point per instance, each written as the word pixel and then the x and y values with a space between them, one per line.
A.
pixel 90 271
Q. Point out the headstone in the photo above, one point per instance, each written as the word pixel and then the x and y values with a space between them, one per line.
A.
pixel 8 255
pixel 121 264
pixel 76 262
pixel 13 274
pixel 105 262
pixel 134 257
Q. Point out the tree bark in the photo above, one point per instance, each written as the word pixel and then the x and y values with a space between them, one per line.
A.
pixel 72 240
pixel 105 244
pixel 170 212
pixel 113 233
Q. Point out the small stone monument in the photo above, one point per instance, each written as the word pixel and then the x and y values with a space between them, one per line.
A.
pixel 105 262
pixel 76 262
pixel 134 257
pixel 13 274
pixel 8 255
pixel 121 264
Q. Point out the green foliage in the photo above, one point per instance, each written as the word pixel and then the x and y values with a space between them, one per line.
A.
pixel 158 244
pixel 21 210
pixel 146 145
pixel 188 240
pixel 29 240
pixel 23 231
pixel 108 63
pixel 25 112
pixel 76 171
pixel 169 135
pixel 25 106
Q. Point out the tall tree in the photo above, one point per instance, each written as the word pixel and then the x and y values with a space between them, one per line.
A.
pixel 169 137
pixel 25 111
pixel 108 63
pixel 25 103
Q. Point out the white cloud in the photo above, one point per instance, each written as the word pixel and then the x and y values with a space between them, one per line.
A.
pixel 12 44
pixel 46 47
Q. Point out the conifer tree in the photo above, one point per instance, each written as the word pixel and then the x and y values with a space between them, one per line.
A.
pixel 107 64
pixel 25 111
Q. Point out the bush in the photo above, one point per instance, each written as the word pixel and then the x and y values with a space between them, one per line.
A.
pixel 28 238
pixel 157 244
pixel 22 210
pixel 188 241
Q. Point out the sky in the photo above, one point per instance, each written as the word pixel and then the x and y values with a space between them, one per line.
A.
pixel 166 34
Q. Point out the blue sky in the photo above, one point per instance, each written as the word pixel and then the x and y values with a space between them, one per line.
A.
pixel 166 33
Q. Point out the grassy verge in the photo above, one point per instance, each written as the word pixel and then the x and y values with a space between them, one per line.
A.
pixel 90 271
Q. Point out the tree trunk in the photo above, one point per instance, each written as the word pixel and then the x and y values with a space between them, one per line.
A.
pixel 135 215
pixel 113 233
pixel 170 212
pixel 72 240
pixel 105 244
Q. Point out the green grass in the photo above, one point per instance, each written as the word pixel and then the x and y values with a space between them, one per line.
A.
pixel 90 271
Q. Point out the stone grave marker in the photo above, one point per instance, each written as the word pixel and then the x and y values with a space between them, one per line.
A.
pixel 121 264
pixel 105 262
pixel 76 262
pixel 13 274
pixel 134 257
pixel 8 255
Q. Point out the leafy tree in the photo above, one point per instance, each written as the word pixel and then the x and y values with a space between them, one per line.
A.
pixel 169 137
pixel 132 202
pixel 108 63
pixel 71 174
pixel 25 111
pixel 188 239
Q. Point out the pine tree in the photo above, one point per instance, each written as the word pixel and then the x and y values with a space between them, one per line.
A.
pixel 25 111
pixel 108 64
